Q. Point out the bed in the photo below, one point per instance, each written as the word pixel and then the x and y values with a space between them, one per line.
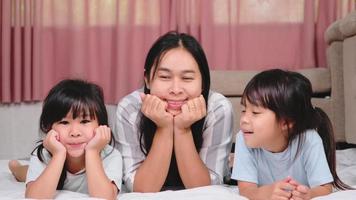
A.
pixel 346 167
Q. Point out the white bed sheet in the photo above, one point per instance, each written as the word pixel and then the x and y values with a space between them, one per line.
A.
pixel 346 160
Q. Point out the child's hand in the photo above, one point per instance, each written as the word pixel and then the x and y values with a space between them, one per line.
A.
pixel 282 189
pixel 192 111
pixel 53 144
pixel 155 109
pixel 301 192
pixel 101 138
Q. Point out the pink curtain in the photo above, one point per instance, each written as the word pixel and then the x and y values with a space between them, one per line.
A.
pixel 44 41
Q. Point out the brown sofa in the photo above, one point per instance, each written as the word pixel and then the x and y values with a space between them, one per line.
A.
pixel 328 83
pixel 341 53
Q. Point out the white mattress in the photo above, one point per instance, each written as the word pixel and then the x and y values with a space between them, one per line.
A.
pixel 346 160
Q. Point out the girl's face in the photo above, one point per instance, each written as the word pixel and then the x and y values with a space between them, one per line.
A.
pixel 75 134
pixel 261 129
pixel 177 79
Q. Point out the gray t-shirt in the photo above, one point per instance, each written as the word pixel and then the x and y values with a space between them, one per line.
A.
pixel 112 164
pixel 262 167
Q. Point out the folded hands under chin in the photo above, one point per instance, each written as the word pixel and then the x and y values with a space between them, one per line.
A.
pixel 156 109
pixel 191 112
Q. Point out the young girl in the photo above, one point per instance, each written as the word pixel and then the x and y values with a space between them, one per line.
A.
pixel 285 149
pixel 174 133
pixel 74 154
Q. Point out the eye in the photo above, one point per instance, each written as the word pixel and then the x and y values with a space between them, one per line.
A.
pixel 63 122
pixel 85 121
pixel 188 78
pixel 243 111
pixel 164 77
pixel 256 113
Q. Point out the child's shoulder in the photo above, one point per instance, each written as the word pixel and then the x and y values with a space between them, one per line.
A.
pixel 312 137
pixel 44 154
pixel 111 157
pixel 109 151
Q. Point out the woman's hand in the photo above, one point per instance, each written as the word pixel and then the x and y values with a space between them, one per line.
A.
pixel 192 111
pixel 101 138
pixel 52 143
pixel 155 109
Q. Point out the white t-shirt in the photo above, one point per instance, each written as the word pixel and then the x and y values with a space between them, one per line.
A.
pixel 112 164
pixel 262 167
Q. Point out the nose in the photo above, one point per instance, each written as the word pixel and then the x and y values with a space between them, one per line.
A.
pixel 75 132
pixel 244 119
pixel 176 87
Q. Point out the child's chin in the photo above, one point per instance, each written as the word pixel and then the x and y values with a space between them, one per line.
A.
pixel 77 153
pixel 251 145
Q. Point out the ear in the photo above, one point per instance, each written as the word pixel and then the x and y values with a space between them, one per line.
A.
pixel 286 125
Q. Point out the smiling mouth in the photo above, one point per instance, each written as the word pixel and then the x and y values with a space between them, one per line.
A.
pixel 248 132
pixel 175 105
pixel 76 145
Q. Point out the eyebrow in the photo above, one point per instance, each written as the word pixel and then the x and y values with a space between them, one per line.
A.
pixel 168 70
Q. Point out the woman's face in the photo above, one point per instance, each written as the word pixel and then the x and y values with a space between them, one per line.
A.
pixel 177 79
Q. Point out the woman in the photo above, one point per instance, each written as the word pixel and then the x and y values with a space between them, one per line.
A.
pixel 175 133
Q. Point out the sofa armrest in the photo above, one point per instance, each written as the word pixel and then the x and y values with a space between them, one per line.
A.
pixel 341 38
pixel 347 25
pixel 341 29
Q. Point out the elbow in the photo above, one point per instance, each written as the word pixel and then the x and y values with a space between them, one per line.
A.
pixel 245 193
pixel 143 189
pixel 199 183
pixel 146 188
pixel 111 196
pixel 328 189
pixel 106 195
pixel 29 195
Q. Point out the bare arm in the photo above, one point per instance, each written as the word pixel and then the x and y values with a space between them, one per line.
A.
pixel 98 183
pixel 321 190
pixel 277 190
pixel 45 186
pixel 305 193
pixel 191 168
pixel 152 173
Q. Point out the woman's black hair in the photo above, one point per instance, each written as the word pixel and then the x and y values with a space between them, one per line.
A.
pixel 168 41
pixel 288 94
pixel 71 95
